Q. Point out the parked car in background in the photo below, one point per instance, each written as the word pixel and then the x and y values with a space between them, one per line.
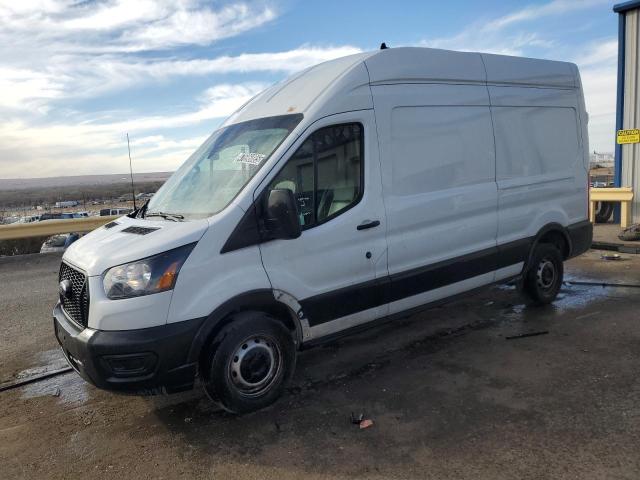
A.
pixel 105 212
pixel 63 216
pixel 59 243
pixel 29 219
pixel 50 216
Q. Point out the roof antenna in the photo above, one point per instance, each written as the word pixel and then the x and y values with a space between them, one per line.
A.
pixel 383 46
pixel 133 192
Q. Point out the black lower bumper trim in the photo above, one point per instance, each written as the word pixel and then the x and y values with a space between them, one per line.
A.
pixel 581 235
pixel 143 361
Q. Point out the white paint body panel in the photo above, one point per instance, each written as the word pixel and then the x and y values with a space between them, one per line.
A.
pixel 439 136
pixel 104 248
pixel 424 65
pixel 540 159
pixel 332 255
pixel 208 279
pixel 438 170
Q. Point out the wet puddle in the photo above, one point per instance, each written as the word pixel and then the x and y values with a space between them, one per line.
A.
pixel 579 301
pixel 47 362
pixel 69 388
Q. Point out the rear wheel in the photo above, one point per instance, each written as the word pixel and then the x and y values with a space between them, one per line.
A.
pixel 249 363
pixel 543 279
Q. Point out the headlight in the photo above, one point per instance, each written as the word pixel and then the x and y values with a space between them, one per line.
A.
pixel 149 275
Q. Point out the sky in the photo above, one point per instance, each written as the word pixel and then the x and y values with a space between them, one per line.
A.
pixel 76 76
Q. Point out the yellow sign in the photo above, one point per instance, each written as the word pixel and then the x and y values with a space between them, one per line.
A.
pixel 628 136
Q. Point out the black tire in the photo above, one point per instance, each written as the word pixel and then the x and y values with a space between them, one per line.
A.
pixel 543 278
pixel 604 210
pixel 249 363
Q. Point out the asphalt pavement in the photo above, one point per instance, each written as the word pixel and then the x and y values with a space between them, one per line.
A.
pixel 450 396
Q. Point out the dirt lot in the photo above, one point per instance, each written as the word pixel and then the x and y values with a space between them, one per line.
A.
pixel 449 395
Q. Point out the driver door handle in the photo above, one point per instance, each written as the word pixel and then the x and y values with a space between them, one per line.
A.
pixel 368 224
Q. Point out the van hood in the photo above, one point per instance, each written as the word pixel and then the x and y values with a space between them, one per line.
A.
pixel 129 239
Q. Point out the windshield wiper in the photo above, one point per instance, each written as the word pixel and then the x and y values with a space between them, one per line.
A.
pixel 140 211
pixel 174 217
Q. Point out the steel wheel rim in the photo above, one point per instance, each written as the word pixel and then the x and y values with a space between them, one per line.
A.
pixel 546 274
pixel 255 365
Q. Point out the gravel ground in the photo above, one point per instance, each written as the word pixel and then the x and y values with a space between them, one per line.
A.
pixel 449 396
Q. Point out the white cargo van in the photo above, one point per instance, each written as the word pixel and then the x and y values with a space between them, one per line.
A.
pixel 358 190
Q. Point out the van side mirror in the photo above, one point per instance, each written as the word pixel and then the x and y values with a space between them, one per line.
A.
pixel 282 215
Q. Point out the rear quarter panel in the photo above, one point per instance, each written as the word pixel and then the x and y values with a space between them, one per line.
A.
pixel 540 168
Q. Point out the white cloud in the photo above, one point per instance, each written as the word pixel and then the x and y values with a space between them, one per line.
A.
pixel 501 36
pixel 598 69
pixel 21 88
pixel 61 50
pixel 25 90
pixel 289 61
pixel 202 27
pixel 125 26
pixel 535 12
pixel 49 145
pixel 603 51
pixel 74 76
pixel 490 42
pixel 64 49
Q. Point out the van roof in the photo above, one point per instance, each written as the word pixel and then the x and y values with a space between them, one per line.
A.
pixel 347 75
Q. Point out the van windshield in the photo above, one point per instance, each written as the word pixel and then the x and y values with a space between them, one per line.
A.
pixel 211 178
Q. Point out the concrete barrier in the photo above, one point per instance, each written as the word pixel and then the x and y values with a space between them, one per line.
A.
pixel 52 227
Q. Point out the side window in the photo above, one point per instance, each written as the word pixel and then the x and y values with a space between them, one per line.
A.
pixel 297 176
pixel 325 173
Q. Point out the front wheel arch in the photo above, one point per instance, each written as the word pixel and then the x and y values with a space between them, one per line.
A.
pixel 257 300
pixel 246 387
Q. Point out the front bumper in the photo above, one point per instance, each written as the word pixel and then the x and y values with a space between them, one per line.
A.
pixel 143 361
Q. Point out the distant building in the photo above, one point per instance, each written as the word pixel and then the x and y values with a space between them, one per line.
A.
pixel 601 159
pixel 67 204
pixel 627 173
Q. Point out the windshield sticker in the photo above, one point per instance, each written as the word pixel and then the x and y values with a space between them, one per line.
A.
pixel 250 158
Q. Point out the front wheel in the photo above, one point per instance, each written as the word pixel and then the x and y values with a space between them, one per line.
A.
pixel 543 279
pixel 249 363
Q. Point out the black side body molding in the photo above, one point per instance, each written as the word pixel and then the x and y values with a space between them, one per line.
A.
pixel 363 296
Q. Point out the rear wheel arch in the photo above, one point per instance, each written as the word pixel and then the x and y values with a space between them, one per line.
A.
pixel 543 280
pixel 555 234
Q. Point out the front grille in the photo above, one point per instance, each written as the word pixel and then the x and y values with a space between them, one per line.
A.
pixel 76 305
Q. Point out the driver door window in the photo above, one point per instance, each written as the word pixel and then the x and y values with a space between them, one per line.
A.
pixel 325 174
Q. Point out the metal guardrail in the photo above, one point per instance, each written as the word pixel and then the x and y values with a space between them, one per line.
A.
pixel 47 228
